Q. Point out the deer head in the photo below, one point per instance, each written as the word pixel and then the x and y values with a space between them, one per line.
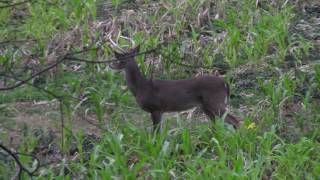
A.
pixel 123 59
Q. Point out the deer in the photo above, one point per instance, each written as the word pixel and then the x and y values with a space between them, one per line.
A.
pixel 209 92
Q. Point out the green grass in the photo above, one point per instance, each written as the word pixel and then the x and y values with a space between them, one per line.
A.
pixel 258 48
pixel 130 152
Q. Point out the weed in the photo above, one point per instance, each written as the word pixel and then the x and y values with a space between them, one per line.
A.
pixel 271 143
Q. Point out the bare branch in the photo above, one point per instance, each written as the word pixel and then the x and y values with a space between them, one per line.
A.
pixel 22 168
pixel 35 86
pixel 15 4
pixel 33 76
pixel 42 71
pixel 112 59
pixel 137 54
pixel 16 41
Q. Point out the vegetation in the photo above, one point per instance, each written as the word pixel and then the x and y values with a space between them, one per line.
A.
pixel 81 122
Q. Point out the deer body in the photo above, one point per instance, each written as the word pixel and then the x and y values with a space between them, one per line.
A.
pixel 158 96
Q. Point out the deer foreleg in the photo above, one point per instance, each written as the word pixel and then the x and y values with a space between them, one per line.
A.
pixel 156 119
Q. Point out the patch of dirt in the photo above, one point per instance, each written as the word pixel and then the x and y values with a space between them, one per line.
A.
pixel 307 24
pixel 41 121
pixel 44 115
pixel 296 127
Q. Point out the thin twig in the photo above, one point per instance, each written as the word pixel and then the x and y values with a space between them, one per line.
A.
pixel 15 4
pixel 22 168
pixel 35 86
pixel 43 89
pixel 137 54
pixel 34 75
pixel 16 41
pixel 62 125
pixel 112 59
pixel 194 66
pixel 41 72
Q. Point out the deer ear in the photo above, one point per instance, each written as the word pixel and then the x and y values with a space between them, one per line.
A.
pixel 117 54
pixel 136 49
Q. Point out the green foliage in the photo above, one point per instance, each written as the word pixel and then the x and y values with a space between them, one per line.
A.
pixel 180 153
pixel 274 142
pixel 317 74
pixel 253 32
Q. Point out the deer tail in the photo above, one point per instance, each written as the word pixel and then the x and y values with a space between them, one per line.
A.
pixel 227 98
pixel 227 89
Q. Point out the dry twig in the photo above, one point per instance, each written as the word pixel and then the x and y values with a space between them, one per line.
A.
pixel 22 168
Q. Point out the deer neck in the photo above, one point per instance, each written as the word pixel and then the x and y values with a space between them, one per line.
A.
pixel 135 81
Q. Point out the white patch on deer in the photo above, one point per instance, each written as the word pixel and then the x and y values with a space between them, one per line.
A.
pixel 226 98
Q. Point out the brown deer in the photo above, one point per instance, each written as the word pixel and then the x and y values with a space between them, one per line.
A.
pixel 210 93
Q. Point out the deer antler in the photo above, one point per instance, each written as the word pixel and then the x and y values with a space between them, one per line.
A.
pixel 115 45
pixel 129 39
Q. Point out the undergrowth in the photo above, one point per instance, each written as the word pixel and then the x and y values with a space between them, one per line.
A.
pixel 274 81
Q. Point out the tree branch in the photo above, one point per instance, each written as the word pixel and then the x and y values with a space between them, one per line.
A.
pixel 33 76
pixel 21 166
pixel 112 59
pixel 42 71
pixel 15 4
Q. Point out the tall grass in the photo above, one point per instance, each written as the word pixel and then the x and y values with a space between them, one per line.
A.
pixel 279 138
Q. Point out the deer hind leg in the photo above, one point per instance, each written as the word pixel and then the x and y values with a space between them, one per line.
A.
pixel 215 107
pixel 208 113
pixel 156 119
